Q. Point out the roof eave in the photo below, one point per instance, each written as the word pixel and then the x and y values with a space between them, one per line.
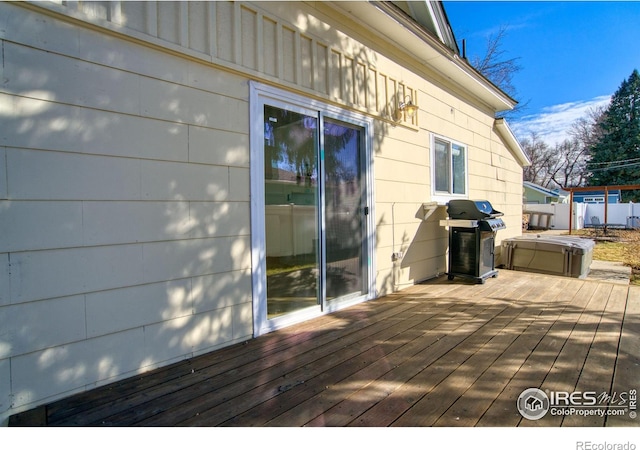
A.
pixel 404 33
pixel 541 190
pixel 512 142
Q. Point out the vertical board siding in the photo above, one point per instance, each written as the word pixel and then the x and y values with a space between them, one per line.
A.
pixel 168 21
pixel 307 62
pixel 151 16
pixel 114 14
pixel 242 36
pixel 289 54
pixel 335 75
pixel 198 26
pixel 348 84
pixel 211 35
pixel 134 15
pixel 372 89
pixel 96 9
pixel 224 31
pixel 321 83
pixel 249 41
pixel 269 50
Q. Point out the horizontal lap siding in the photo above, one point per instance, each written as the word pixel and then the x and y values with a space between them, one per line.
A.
pixel 124 190
pixel 124 208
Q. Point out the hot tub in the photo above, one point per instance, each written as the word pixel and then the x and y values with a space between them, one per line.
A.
pixel 555 255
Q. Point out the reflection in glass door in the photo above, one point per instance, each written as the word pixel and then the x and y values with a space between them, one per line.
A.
pixel 312 246
pixel 291 214
pixel 344 210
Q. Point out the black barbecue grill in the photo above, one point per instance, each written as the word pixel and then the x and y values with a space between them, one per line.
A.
pixel 472 230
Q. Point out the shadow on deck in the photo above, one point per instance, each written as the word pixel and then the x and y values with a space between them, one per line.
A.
pixel 442 353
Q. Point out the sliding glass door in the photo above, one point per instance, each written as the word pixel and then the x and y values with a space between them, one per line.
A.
pixel 291 149
pixel 345 210
pixel 311 244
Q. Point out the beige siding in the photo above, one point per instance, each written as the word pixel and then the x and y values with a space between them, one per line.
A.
pixel 124 174
pixel 125 203
pixel 269 38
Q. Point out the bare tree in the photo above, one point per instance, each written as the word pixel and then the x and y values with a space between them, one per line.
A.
pixel 565 164
pixel 570 164
pixel 586 130
pixel 560 166
pixel 499 69
pixel 539 154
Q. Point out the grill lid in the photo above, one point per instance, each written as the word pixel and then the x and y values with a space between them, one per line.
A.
pixel 472 209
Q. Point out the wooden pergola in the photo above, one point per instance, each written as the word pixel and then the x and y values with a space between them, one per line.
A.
pixel 606 190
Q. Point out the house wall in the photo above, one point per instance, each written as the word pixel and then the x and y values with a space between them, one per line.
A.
pixel 535 197
pixel 124 208
pixel 124 175
pixel 581 196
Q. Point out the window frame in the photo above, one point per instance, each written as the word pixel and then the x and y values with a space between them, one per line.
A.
pixel 442 196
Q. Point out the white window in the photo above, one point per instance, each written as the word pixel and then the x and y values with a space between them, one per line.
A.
pixel 449 162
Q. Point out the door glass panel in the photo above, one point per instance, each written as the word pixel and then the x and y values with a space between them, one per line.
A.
pixel 344 210
pixel 291 215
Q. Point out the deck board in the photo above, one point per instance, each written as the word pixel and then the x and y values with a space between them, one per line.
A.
pixel 200 394
pixel 555 327
pixel 596 374
pixel 316 406
pixel 442 353
pixel 566 369
pixel 627 365
pixel 473 403
pixel 313 394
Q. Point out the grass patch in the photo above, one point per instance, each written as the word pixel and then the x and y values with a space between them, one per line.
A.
pixel 278 265
pixel 609 251
pixel 617 245
pixel 632 258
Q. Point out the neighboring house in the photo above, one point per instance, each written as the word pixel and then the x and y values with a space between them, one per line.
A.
pixel 536 194
pixel 148 203
pixel 596 196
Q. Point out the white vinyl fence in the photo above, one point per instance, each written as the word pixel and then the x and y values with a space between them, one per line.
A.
pixel 618 214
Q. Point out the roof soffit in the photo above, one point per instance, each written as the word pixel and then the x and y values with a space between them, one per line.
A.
pixel 398 29
pixel 431 15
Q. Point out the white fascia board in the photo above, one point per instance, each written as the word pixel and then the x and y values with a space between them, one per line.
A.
pixel 427 50
pixel 511 141
pixel 545 191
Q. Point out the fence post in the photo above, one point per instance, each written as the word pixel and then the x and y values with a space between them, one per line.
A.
pixel 570 211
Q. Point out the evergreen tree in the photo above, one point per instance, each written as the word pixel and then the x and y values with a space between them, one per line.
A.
pixel 615 156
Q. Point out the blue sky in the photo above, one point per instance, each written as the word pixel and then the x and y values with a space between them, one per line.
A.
pixel 573 54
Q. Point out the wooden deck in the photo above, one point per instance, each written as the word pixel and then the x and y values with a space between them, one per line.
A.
pixel 443 353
